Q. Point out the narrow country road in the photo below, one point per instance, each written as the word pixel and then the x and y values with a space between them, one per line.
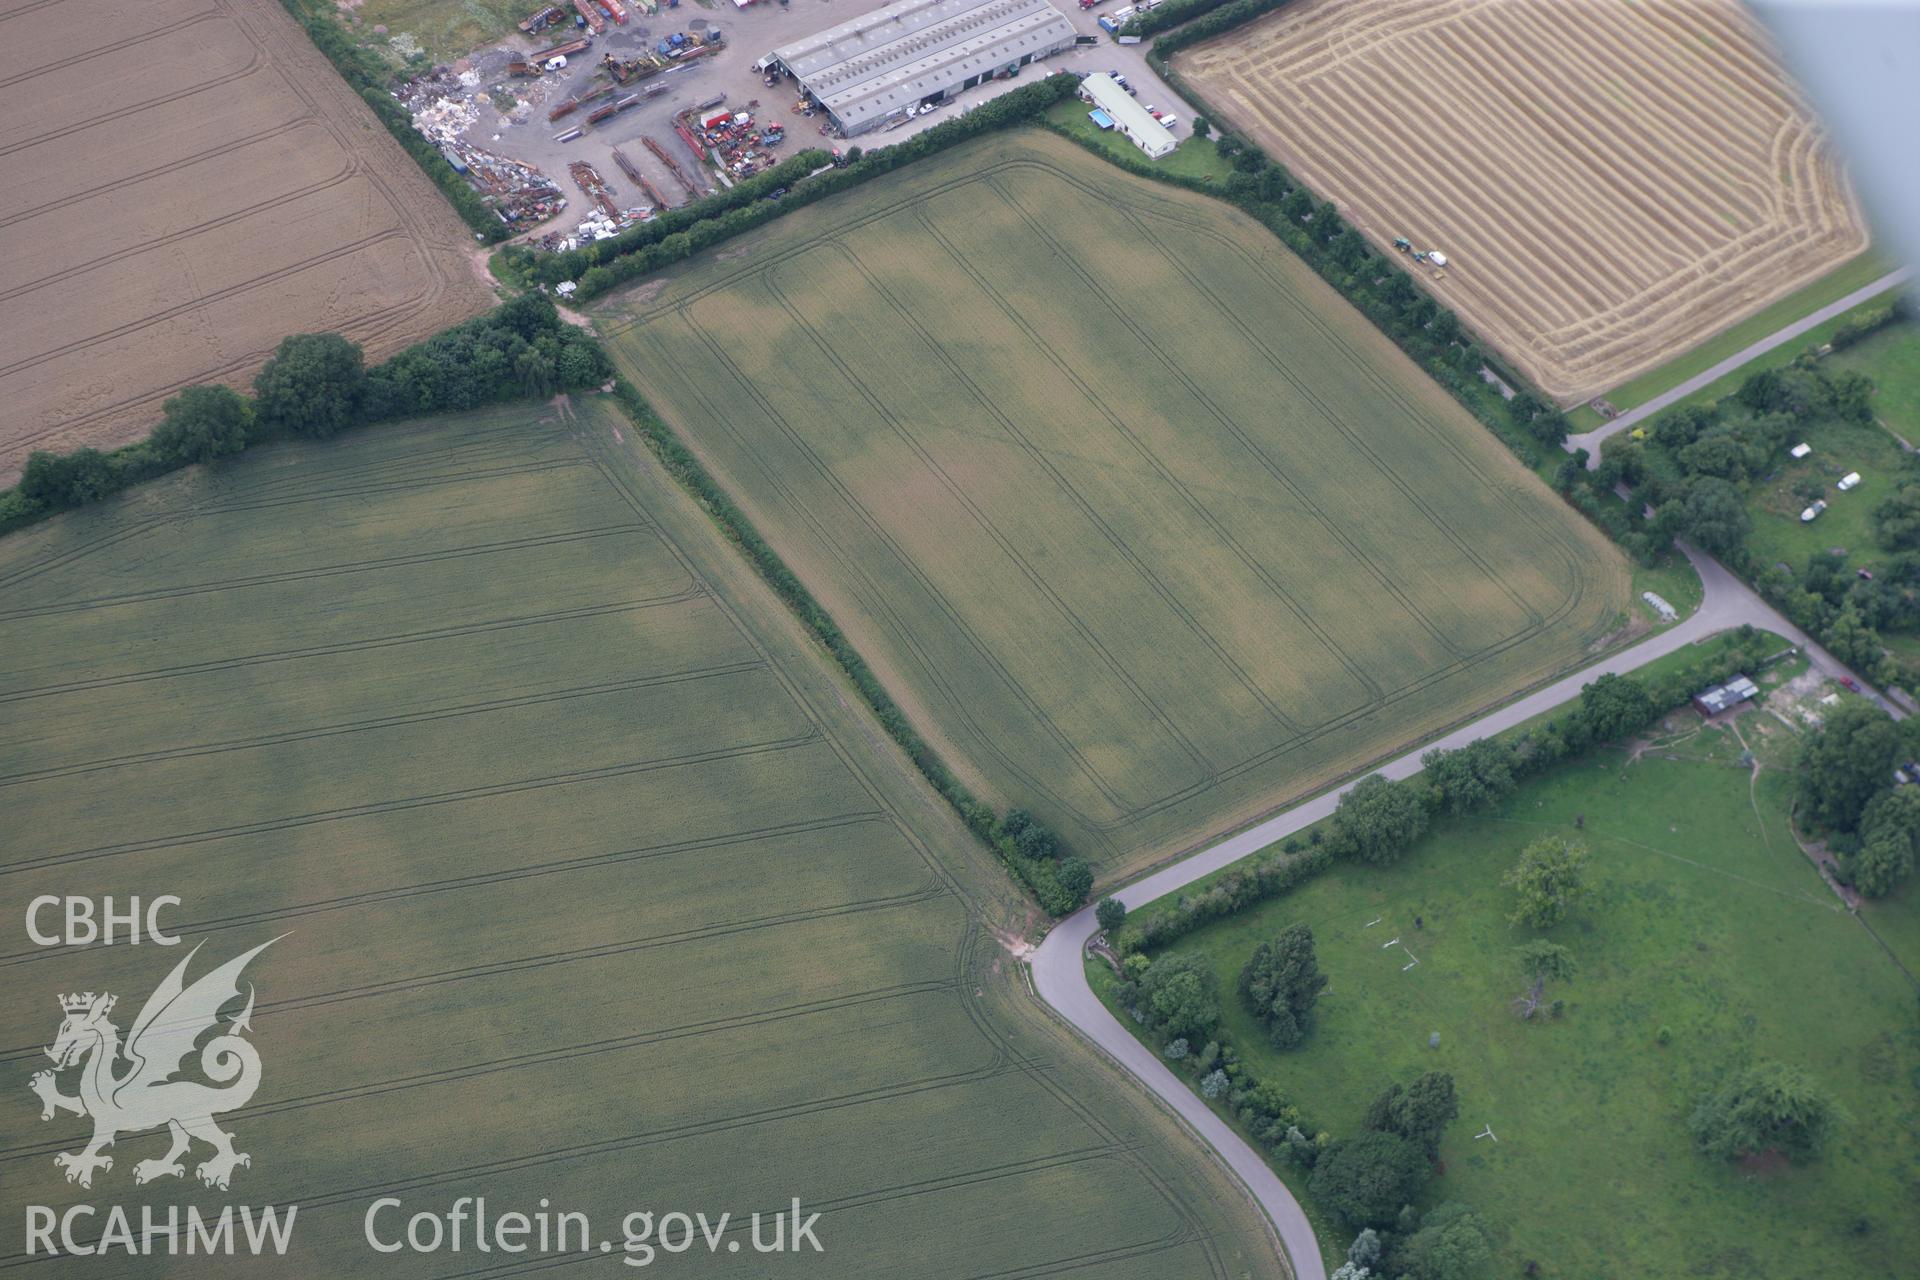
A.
pixel 1061 980
pixel 1592 439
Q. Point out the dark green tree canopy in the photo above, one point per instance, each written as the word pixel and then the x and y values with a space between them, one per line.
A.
pixel 1378 820
pixel 66 479
pixel 1475 776
pixel 1846 762
pixel 1451 1244
pixel 1768 1107
pixel 311 385
pixel 203 423
pixel 1177 998
pixel 1419 1112
pixel 1889 841
pixel 1711 512
pixel 1280 983
pixel 1366 1179
pixel 1613 707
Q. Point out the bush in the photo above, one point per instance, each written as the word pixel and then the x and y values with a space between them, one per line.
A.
pixel 1378 820
pixel 1264 876
pixel 1767 1108
pixel 1368 1178
pixel 201 424
pixel 1281 982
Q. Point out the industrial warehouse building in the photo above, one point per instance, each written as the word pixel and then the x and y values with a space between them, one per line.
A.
pixel 870 71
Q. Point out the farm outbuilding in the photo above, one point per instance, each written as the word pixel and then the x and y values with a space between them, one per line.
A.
pixel 1720 697
pixel 873 69
pixel 1128 117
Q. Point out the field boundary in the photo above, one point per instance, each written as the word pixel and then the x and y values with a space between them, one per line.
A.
pixel 1154 224
pixel 361 73
pixel 1037 875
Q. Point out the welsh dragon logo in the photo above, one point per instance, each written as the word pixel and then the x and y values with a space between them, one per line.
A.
pixel 147 1094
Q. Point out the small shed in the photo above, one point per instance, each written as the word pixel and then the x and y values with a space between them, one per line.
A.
pixel 1720 697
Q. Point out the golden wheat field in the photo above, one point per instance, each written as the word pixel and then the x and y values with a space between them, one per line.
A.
pixel 1610 183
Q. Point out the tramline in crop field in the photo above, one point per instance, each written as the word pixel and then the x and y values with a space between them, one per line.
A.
pixel 585 895
pixel 1498 131
pixel 180 197
pixel 1142 523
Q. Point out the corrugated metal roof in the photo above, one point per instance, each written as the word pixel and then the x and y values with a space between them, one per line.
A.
pixel 890 59
pixel 1132 118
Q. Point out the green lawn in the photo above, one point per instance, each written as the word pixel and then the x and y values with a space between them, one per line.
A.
pixel 1145 528
pixel 1705 919
pixel 596 882
pixel 446 29
pixel 1193 158
pixel 1891 358
pixel 1675 580
pixel 1776 502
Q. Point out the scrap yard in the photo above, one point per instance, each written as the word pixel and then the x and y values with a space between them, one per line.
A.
pixel 604 94
pixel 662 106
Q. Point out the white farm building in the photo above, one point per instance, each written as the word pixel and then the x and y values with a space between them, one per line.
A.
pixel 869 71
pixel 1128 117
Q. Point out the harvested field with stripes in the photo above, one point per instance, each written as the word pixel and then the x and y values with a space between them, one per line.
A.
pixel 1495 131
pixel 1145 527
pixel 182 192
pixel 585 893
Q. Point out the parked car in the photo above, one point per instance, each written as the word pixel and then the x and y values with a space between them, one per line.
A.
pixel 1851 683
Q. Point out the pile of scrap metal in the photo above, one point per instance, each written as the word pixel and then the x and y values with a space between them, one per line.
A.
pixel 542 20
pixel 572 104
pixel 638 178
pixel 520 194
pixel 737 144
pixel 548 59
pixel 595 187
pixel 673 166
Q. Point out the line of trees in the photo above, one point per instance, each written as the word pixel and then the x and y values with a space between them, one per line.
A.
pixel 792 184
pixel 1848 791
pixel 1380 819
pixel 1432 336
pixel 1221 15
pixel 317 384
pixel 1058 879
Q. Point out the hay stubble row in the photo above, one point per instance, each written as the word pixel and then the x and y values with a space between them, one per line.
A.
pixel 1611 183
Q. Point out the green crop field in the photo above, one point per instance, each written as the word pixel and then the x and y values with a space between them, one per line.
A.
pixel 1705 919
pixel 1148 529
pixel 590 885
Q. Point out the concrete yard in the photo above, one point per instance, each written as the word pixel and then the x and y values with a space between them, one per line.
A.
pixel 525 134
